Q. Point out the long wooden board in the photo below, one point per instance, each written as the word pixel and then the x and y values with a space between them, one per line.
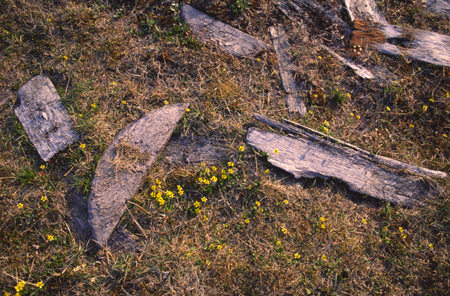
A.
pixel 366 10
pixel 415 44
pixel 124 165
pixel 294 100
pixel 305 158
pixel 44 117
pixel 229 39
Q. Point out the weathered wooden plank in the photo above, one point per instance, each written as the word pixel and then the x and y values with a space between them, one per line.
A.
pixel 311 134
pixel 194 150
pixel 304 158
pixel 439 7
pixel 229 39
pixel 44 117
pixel 124 165
pixel 294 101
pixel 366 10
pixel 415 44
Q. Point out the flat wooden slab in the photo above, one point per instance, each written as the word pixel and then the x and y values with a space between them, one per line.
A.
pixel 415 44
pixel 294 100
pixel 366 10
pixel 44 117
pixel 439 7
pixel 229 39
pixel 305 158
pixel 125 164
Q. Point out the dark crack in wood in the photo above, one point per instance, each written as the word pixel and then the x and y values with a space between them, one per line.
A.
pixel 124 165
pixel 305 158
pixel 294 100
pixel 229 39
pixel 44 117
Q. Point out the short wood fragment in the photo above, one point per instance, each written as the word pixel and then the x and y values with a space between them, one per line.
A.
pixel 359 70
pixel 415 44
pixel 229 39
pixel 305 158
pixel 439 7
pixel 366 10
pixel 194 150
pixel 124 165
pixel 294 100
pixel 44 117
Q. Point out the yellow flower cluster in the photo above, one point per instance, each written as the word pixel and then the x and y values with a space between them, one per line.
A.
pixel 20 286
pixel 180 190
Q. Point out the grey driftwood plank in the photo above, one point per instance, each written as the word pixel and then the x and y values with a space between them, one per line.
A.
pixel 229 39
pixel 415 44
pixel 304 158
pixel 124 165
pixel 294 100
pixel 311 134
pixel 44 117
pixel 366 10
pixel 439 7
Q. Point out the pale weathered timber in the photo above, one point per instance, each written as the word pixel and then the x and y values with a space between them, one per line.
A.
pixel 311 134
pixel 326 17
pixel 439 7
pixel 124 165
pixel 229 39
pixel 304 158
pixel 359 70
pixel 415 44
pixel 366 10
pixel 44 117
pixel 193 150
pixel 294 100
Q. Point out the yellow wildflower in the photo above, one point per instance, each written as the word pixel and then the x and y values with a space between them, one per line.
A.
pixel 323 226
pixel 205 218
pixel 424 108
pixel 188 110
pixel 349 95
pixel 276 151
pixel 206 182
pixel 43 199
pixel 284 230
pixel 357 116
pixel 93 105
pixel 401 229
pixel 325 129
pixel 387 108
pixel 445 135
pixel 431 246
pixel 196 204
pixel 286 201
pixel 19 286
pixel 153 187
pixel 50 237
pixel 82 146
pixel 214 168
pixel 403 235
pixel 447 95
pixel 224 177
pixel 296 256
pixel 322 219
pixel 225 225
pixel 230 251
pixel 257 203
pixel 65 57
pixel 267 171
pixel 200 179
pixel 207 262
pixel 49 20
pixel 219 247
pixel 320 57
pixel 247 220
pixel 207 171
pixel 124 102
pixel 197 210
pixel 42 167
pixel 364 221
pixel 432 100
pixel 214 179
pixel 278 243
pixel 80 115
pixel 241 148
pixel 114 83
pixel 165 102
pixel 411 125
pixel 310 112
pixel 351 114
pixel 20 205
pixel 230 171
pixel 230 164
pixel 324 258
pixel 326 123
pixel 258 59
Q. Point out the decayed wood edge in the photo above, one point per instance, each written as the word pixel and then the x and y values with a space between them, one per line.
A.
pixel 293 99
pixel 375 158
pixel 439 7
pixel 228 38
pixel 121 240
pixel 317 9
pixel 415 44
pixel 365 10
pixel 105 176
pixel 304 158
pixel 359 70
pixel 44 117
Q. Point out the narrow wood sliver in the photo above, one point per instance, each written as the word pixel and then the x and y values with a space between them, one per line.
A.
pixel 305 158
pixel 229 39
pixel 124 165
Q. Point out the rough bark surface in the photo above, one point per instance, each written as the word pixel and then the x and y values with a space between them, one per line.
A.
pixel 229 39
pixel 366 10
pixel 415 44
pixel 304 158
pixel 44 117
pixel 439 7
pixel 194 150
pixel 294 101
pixel 124 165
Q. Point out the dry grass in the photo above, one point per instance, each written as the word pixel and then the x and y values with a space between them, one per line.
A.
pixel 111 64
